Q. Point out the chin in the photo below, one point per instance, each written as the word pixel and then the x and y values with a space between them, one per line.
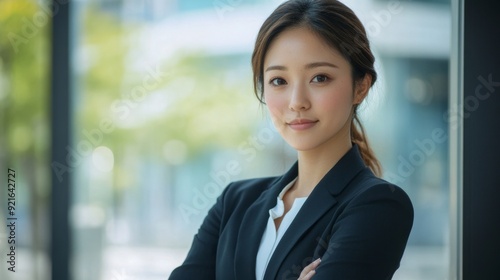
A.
pixel 301 146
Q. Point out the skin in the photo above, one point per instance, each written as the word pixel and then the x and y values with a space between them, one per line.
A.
pixel 308 81
pixel 309 270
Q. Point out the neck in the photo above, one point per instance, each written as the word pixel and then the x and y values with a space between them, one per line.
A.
pixel 314 164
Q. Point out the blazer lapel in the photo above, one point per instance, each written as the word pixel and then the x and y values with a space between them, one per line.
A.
pixel 253 224
pixel 321 199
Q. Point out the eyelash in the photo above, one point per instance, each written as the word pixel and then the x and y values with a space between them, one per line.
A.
pixel 271 82
pixel 327 78
pixel 324 76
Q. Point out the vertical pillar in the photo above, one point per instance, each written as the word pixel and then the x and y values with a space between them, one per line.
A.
pixel 60 133
pixel 481 140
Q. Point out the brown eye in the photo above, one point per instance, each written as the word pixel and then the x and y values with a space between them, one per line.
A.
pixel 320 79
pixel 277 82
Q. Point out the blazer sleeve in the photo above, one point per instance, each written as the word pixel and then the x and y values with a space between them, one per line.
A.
pixel 200 262
pixel 369 237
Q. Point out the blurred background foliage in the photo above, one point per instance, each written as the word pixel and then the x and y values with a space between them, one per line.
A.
pixel 24 120
pixel 182 103
pixel 163 122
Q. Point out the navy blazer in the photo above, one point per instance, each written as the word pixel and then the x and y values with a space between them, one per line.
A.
pixel 355 222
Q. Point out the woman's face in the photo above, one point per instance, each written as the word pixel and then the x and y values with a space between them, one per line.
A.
pixel 308 90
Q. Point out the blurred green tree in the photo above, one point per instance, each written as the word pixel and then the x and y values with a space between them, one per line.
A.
pixel 24 113
pixel 191 98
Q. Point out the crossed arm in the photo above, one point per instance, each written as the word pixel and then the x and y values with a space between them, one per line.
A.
pixel 368 239
pixel 365 242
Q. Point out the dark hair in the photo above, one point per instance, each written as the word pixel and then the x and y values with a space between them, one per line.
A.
pixel 341 29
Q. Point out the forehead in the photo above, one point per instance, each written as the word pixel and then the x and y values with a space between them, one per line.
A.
pixel 300 45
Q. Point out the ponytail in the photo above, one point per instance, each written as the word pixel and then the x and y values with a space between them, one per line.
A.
pixel 359 138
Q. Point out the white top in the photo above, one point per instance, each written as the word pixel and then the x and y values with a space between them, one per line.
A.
pixel 271 237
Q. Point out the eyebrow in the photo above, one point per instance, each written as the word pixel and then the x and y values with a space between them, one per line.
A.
pixel 308 66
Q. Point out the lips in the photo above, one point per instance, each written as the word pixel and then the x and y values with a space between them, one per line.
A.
pixel 302 124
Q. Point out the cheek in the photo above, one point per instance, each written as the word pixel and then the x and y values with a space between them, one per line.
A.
pixel 340 102
pixel 275 104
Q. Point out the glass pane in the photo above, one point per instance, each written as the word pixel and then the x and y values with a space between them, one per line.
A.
pixel 166 118
pixel 24 139
pixel 414 150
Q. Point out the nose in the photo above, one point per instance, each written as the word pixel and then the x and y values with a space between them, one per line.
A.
pixel 299 99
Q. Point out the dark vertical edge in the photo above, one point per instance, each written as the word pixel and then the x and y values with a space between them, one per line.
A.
pixel 60 247
pixel 456 141
pixel 481 152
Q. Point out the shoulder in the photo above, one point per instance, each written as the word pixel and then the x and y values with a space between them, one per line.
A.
pixel 239 196
pixel 248 188
pixel 367 188
pixel 371 204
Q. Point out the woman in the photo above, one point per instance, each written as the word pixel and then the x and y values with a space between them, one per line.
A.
pixel 329 216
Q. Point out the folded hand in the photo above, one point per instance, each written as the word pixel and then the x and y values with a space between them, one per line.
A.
pixel 309 271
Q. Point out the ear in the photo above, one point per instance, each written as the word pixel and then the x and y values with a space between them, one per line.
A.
pixel 361 89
